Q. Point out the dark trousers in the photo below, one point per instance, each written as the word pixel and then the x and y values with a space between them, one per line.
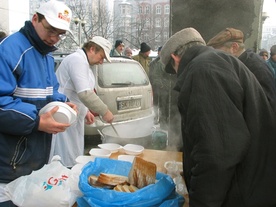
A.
pixel 7 204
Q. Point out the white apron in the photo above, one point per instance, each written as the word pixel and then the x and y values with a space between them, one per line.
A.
pixel 74 75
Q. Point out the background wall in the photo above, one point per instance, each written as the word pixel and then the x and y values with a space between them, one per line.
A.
pixel 212 16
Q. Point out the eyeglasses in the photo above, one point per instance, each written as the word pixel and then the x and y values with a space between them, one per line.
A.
pixel 52 33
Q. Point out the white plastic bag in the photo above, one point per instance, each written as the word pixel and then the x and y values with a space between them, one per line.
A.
pixel 48 186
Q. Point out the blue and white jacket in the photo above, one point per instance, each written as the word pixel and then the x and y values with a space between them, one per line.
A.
pixel 27 83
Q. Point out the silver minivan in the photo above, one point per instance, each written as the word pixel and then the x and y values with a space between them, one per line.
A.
pixel 124 87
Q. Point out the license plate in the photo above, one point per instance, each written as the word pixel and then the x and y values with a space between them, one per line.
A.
pixel 129 104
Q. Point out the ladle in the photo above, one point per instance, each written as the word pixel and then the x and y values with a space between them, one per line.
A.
pixel 112 127
pixel 114 130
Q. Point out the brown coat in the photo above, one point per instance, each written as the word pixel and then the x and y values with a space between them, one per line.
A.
pixel 144 61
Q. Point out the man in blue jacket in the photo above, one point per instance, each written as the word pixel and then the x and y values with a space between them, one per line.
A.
pixel 28 83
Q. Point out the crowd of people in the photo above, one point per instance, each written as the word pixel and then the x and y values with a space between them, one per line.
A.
pixel 225 95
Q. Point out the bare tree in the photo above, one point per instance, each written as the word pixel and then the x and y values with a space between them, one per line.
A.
pixel 133 25
pixel 90 19
pixel 102 21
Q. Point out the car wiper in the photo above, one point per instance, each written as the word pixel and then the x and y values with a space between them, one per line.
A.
pixel 122 84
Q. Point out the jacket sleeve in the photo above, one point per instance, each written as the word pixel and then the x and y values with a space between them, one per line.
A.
pixel 215 133
pixel 15 115
pixel 57 96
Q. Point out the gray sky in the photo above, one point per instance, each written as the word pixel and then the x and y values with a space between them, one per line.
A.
pixel 270 8
pixel 19 13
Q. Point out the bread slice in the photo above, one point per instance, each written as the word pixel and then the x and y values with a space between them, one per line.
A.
pixel 112 179
pixel 93 181
pixel 142 173
pixel 133 188
pixel 126 188
pixel 118 188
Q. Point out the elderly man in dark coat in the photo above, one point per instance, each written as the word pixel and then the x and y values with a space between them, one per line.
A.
pixel 231 40
pixel 228 127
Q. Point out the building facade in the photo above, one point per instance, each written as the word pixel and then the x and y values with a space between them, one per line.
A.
pixel 268 35
pixel 13 14
pixel 4 11
pixel 137 21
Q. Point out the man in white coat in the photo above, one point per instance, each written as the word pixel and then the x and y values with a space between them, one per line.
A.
pixel 77 82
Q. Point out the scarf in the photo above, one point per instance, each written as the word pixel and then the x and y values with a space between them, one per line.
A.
pixel 29 31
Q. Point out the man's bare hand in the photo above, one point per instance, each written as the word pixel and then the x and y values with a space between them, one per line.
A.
pixel 108 117
pixel 49 125
pixel 89 118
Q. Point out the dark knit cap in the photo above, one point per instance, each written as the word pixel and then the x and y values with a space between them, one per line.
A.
pixel 159 49
pixel 118 42
pixel 144 47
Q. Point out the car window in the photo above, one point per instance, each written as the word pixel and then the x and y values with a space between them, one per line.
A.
pixel 121 75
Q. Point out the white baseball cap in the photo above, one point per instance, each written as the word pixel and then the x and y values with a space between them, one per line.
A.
pixel 57 14
pixel 105 44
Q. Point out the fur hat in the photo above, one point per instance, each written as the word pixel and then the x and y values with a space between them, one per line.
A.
pixel 227 35
pixel 144 47
pixel 180 38
pixel 118 42
pixel 273 50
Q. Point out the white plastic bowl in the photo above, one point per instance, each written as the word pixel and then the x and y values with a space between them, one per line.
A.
pixel 173 166
pixel 133 149
pixel 128 158
pixel 83 159
pixel 113 147
pixel 65 113
pixel 98 152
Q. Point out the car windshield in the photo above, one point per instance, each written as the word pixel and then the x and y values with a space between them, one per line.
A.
pixel 121 74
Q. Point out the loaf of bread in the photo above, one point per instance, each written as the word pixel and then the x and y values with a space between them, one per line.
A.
pixel 142 173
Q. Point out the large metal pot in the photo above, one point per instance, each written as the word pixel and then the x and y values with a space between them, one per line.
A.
pixel 128 134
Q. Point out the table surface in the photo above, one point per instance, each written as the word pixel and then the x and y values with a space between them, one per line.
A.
pixel 159 157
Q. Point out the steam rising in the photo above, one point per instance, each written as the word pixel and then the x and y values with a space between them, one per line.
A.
pixel 141 132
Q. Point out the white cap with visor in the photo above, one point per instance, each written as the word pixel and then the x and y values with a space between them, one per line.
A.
pixel 57 14
pixel 103 43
